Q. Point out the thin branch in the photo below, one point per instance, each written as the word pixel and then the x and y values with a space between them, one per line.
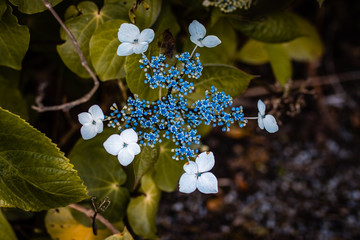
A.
pixel 66 106
pixel 90 213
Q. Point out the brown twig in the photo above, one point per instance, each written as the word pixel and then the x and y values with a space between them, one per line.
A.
pixel 90 213
pixel 66 106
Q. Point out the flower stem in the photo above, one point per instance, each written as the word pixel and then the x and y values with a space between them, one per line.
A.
pixel 251 118
pixel 193 51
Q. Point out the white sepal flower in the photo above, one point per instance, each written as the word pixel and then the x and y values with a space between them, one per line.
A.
pixel 266 121
pixel 123 145
pixel 197 36
pixel 197 175
pixel 132 40
pixel 92 122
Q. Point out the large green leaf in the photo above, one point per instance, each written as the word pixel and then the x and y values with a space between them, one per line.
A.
pixel 103 46
pixel 3 7
pixel 14 40
pixel 141 211
pixel 306 48
pixel 6 232
pixel 82 25
pixel 35 175
pixel 102 174
pixel 10 97
pixel 280 62
pixel 222 53
pixel 33 6
pixel 167 170
pixel 166 21
pixel 274 28
pixel 145 160
pixel 225 78
pixel 146 17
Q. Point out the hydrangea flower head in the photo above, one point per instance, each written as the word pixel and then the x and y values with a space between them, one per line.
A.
pixel 197 175
pixel 123 145
pixel 197 36
pixel 132 41
pixel 266 121
pixel 92 122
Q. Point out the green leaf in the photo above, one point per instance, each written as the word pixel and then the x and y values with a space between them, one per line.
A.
pixel 82 26
pixel 145 160
pixel 103 46
pixel 33 6
pixel 6 232
pixel 166 20
pixel 253 52
pixel 125 235
pixel 102 174
pixel 10 96
pixel 167 170
pixel 280 62
pixel 14 40
pixel 3 7
pixel 146 17
pixel 273 28
pixel 142 210
pixel 306 48
pixel 222 53
pixel 35 174
pixel 225 78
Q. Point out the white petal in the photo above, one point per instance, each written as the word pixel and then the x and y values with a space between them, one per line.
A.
pixel 270 124
pixel 128 32
pixel 125 49
pixel 205 161
pixel 187 183
pixel 211 41
pixel 260 121
pixel 133 148
pixel 96 112
pixel 125 157
pixel 147 35
pixel 114 144
pixel 197 30
pixel 129 136
pixel 191 167
pixel 140 47
pixel 88 131
pixel 261 106
pixel 99 126
pixel 196 41
pixel 85 117
pixel 207 183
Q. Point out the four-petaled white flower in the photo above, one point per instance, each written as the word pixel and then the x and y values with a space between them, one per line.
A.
pixel 123 145
pixel 92 122
pixel 197 176
pixel 132 40
pixel 266 121
pixel 197 36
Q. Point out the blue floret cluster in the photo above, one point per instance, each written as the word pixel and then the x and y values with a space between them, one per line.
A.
pixel 174 116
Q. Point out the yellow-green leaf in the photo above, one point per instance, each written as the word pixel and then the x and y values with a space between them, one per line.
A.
pixel 253 52
pixel 125 235
pixel 142 210
pixel 102 174
pixel 14 40
pixel 35 175
pixel 280 62
pixel 146 17
pixel 61 224
pixel 145 160
pixel 6 232
pixel 103 46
